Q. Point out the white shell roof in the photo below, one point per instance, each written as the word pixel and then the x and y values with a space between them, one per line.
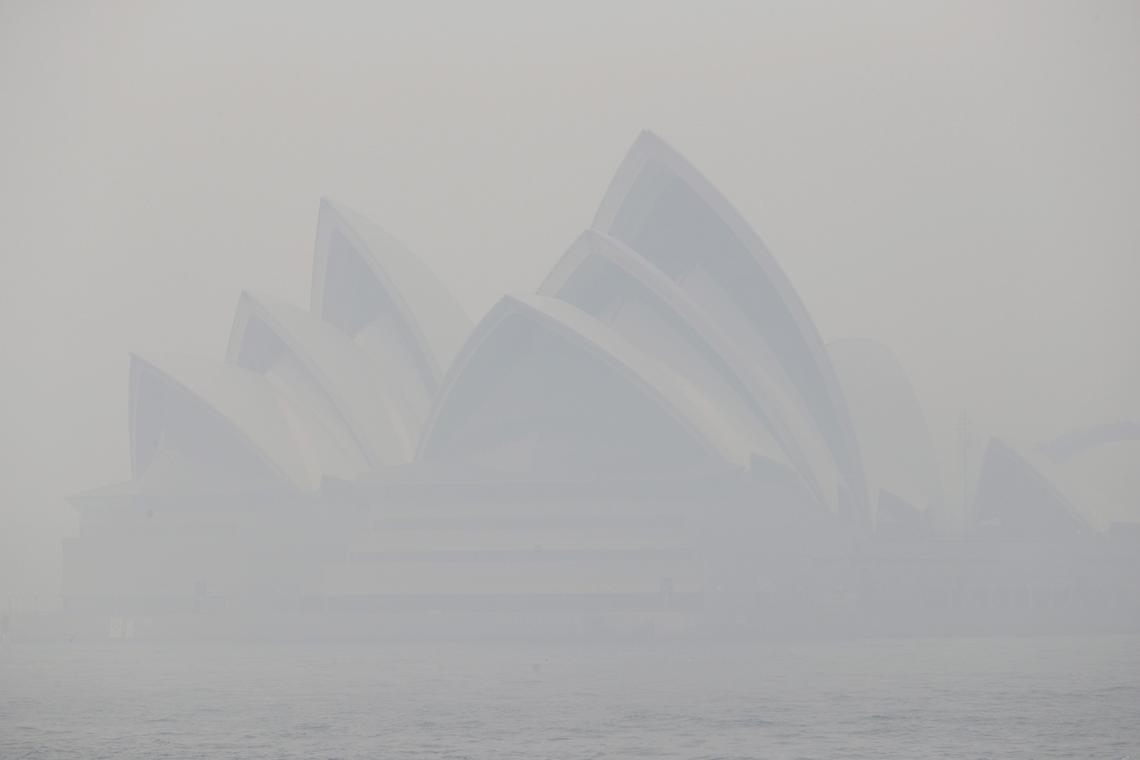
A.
pixel 351 381
pixel 242 400
pixel 652 170
pixel 779 424
pixel 378 357
pixel 429 311
pixel 894 438
pixel 675 396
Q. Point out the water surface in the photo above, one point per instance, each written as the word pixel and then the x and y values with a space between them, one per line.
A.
pixel 925 698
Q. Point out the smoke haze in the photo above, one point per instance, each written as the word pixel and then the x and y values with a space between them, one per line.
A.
pixel 958 181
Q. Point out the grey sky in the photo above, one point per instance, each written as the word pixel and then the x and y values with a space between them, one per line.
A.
pixel 960 181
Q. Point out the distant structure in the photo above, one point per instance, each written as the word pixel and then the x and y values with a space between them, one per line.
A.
pixel 657 440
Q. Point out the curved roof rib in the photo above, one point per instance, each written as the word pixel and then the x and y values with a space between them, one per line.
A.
pixel 367 285
pixel 218 418
pixel 323 370
pixel 617 286
pixel 362 275
pixel 894 438
pixel 542 388
pixel 660 206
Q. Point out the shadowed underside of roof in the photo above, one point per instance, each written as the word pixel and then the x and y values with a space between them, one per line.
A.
pixel 366 284
pixel 894 438
pixel 543 389
pixel 195 419
pixel 660 206
pixel 617 286
pixel 318 366
pixel 431 314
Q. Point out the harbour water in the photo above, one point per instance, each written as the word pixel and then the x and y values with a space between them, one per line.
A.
pixel 1023 697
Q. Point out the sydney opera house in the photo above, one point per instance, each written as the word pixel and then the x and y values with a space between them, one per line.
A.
pixel 656 442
